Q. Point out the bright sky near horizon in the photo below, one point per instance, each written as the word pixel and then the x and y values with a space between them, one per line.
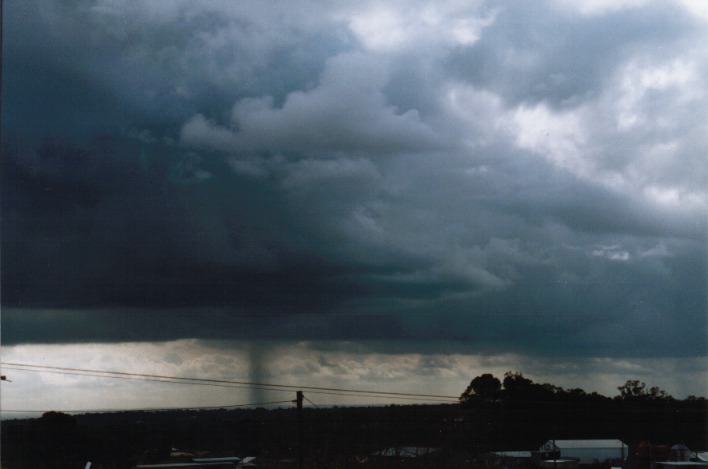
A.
pixel 392 195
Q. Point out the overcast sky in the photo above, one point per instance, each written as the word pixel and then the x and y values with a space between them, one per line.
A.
pixel 478 185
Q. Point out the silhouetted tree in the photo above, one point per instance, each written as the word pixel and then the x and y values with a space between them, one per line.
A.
pixel 515 385
pixel 656 393
pixel 636 390
pixel 633 388
pixel 483 387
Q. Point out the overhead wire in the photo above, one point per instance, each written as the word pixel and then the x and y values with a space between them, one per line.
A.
pixel 168 381
pixel 139 378
pixel 208 382
pixel 229 383
pixel 240 386
pixel 305 397
pixel 150 409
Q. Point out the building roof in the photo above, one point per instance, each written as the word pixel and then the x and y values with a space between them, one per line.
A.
pixel 513 454
pixel 405 452
pixel 565 444
pixel 184 464
pixel 224 459
pixel 686 464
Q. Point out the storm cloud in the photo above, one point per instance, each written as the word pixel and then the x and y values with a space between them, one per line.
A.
pixel 497 177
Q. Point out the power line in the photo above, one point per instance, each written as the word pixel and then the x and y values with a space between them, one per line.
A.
pixel 149 409
pixel 206 381
pixel 358 394
pixel 305 397
pixel 244 383
pixel 167 381
pixel 405 398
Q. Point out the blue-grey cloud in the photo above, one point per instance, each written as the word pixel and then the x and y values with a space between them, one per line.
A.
pixel 492 176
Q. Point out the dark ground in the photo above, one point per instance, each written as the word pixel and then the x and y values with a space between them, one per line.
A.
pixel 511 418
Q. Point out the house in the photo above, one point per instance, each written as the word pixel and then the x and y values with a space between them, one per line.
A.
pixel 588 451
pixel 680 465
pixel 196 463
pixel 404 452
pixel 508 459
pixel 187 465
pixel 400 455
pixel 679 453
pixel 230 459
pixel 558 464
pixel 416 457
pixel 248 461
pixel 680 457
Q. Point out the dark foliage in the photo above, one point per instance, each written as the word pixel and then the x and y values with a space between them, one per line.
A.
pixel 525 414
pixel 483 387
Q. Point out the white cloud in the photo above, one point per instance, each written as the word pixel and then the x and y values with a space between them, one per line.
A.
pixel 600 7
pixel 613 253
pixel 699 8
pixel 638 80
pixel 640 137
pixel 478 113
pixel 420 28
pixel 558 136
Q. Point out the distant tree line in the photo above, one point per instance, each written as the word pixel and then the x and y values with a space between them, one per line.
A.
pixel 516 413
pixel 515 386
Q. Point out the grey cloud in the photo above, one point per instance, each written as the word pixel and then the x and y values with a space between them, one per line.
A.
pixel 518 57
pixel 95 66
pixel 206 175
pixel 346 111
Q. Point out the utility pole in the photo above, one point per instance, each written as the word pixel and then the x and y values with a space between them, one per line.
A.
pixel 299 430
pixel 555 462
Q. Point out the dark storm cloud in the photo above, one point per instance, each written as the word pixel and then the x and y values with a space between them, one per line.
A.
pixel 486 176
